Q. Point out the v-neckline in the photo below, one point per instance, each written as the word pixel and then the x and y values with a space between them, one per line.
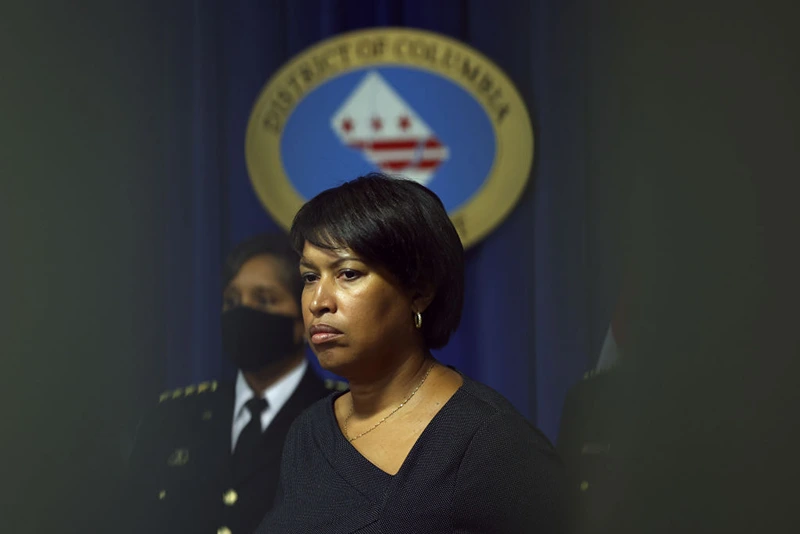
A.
pixel 370 477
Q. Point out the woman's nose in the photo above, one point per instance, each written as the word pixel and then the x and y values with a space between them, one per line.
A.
pixel 322 300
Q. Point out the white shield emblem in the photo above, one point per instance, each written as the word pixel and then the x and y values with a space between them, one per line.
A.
pixel 391 135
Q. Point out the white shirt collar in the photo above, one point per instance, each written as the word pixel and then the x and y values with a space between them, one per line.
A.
pixel 277 395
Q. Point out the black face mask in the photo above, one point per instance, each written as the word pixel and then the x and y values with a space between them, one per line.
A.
pixel 254 339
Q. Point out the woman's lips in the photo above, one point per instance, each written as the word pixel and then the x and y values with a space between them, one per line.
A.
pixel 322 333
pixel 318 339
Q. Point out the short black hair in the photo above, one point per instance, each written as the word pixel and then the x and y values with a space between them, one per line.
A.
pixel 273 244
pixel 400 225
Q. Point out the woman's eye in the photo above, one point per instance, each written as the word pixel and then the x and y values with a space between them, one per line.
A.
pixel 349 274
pixel 308 277
pixel 229 303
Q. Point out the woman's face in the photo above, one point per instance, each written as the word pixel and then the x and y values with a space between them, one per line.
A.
pixel 260 284
pixel 354 312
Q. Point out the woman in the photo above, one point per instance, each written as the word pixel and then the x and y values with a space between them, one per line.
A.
pixel 413 446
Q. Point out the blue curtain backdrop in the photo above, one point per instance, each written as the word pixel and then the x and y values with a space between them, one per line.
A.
pixel 531 324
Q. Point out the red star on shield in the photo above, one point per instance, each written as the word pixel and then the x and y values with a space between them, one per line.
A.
pixel 405 123
pixel 347 125
pixel 376 123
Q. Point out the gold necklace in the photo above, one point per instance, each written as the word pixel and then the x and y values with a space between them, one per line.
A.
pixel 376 425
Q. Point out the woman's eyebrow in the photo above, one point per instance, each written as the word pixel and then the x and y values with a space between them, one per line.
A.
pixel 335 263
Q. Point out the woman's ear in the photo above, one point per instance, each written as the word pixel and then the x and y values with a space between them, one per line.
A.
pixel 421 299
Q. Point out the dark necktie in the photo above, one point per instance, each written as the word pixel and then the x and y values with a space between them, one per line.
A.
pixel 248 443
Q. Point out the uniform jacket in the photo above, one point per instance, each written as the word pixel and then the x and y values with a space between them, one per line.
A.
pixel 589 444
pixel 181 474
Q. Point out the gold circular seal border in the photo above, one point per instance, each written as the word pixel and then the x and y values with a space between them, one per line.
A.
pixel 387 46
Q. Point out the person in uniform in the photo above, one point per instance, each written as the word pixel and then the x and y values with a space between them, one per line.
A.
pixel 207 458
pixel 589 442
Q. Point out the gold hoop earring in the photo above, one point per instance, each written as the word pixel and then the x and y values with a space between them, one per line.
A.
pixel 418 320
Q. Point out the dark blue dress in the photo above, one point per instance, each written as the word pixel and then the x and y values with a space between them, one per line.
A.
pixel 478 467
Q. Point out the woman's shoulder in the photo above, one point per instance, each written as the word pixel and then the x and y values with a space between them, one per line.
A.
pixel 495 415
pixel 487 401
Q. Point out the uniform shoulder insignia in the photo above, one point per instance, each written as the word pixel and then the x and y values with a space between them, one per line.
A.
pixel 336 385
pixel 597 372
pixel 188 391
